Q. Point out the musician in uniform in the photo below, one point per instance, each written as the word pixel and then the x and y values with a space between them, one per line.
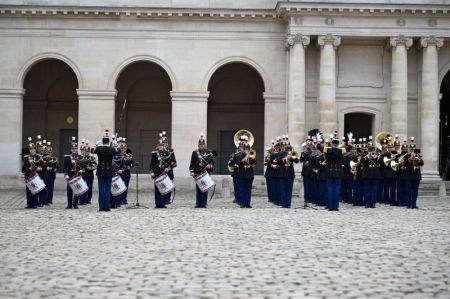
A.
pixel 128 165
pixel 388 175
pixel 89 167
pixel 412 175
pixel 401 187
pixel 42 170
pixel 105 150
pixel 233 174
pixel 72 167
pixel 52 167
pixel 287 156
pixel 305 167
pixel 29 167
pixel 371 176
pixel 119 168
pixel 320 170
pixel 202 159
pixel 334 173
pixel 162 162
pixel 269 172
pixel 348 182
pixel 244 162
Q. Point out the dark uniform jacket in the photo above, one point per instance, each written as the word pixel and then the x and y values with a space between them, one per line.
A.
pixel 161 160
pixel 334 156
pixel 304 160
pixel 412 169
pixel 371 167
pixel 271 161
pixel 52 163
pixel 30 164
pixel 199 161
pixel 287 166
pixel 105 154
pixel 386 171
pixel 243 170
pixel 72 164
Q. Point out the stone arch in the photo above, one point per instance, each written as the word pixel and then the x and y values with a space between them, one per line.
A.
pixel 377 123
pixel 44 56
pixel 124 64
pixel 237 59
pixel 443 71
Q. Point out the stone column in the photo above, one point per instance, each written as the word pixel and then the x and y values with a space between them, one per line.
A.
pixel 274 114
pixel 429 127
pixel 296 45
pixel 96 112
pixel 399 85
pixel 327 83
pixel 11 117
pixel 189 119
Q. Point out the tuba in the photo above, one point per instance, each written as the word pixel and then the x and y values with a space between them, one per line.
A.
pixel 241 133
pixel 380 136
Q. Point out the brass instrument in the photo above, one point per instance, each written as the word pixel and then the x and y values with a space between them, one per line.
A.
pixel 380 136
pixel 387 161
pixel 397 165
pixel 240 133
pixel 252 153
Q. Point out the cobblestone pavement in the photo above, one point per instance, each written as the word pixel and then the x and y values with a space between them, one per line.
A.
pixel 223 251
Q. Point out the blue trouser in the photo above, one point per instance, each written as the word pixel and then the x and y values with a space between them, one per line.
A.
pixel 104 192
pixel 269 188
pixel 358 196
pixel 351 190
pixel 333 192
pixel 235 188
pixel 389 187
pixel 344 190
pixel 32 200
pixel 315 195
pixel 321 190
pixel 407 193
pixel 72 201
pixel 90 183
pixel 370 192
pixel 286 186
pixel 379 197
pixel 42 196
pixel 400 192
pixel 277 192
pixel 201 198
pixel 415 192
pixel 245 191
pixel 50 188
pixel 305 188
pixel 126 180
pixel 161 200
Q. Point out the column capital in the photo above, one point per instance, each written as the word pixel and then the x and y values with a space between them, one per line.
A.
pixel 431 40
pixel 334 40
pixel 97 94
pixel 401 40
pixel 296 38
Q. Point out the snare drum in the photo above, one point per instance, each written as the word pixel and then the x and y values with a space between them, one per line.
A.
pixel 164 184
pixel 117 186
pixel 35 184
pixel 204 181
pixel 78 185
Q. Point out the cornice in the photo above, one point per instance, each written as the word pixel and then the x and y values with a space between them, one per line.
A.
pixel 285 9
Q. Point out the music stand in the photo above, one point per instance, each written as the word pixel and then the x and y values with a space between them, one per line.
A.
pixel 136 205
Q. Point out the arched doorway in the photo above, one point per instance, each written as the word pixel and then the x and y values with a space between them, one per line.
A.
pixel 360 124
pixel 146 87
pixel 235 102
pixel 444 129
pixel 50 104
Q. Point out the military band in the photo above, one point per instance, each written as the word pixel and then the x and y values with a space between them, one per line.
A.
pixel 361 172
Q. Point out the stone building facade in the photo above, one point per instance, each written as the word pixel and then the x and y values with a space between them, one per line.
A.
pixel 192 66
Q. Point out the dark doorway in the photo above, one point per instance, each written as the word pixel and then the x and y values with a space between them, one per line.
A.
pixel 444 128
pixel 360 124
pixel 235 102
pixel 50 104
pixel 146 86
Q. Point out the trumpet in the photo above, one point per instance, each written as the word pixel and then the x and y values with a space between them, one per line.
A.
pixel 387 161
pixel 397 165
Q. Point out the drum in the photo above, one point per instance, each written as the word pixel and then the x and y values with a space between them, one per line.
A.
pixel 78 185
pixel 164 184
pixel 118 186
pixel 35 184
pixel 204 181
